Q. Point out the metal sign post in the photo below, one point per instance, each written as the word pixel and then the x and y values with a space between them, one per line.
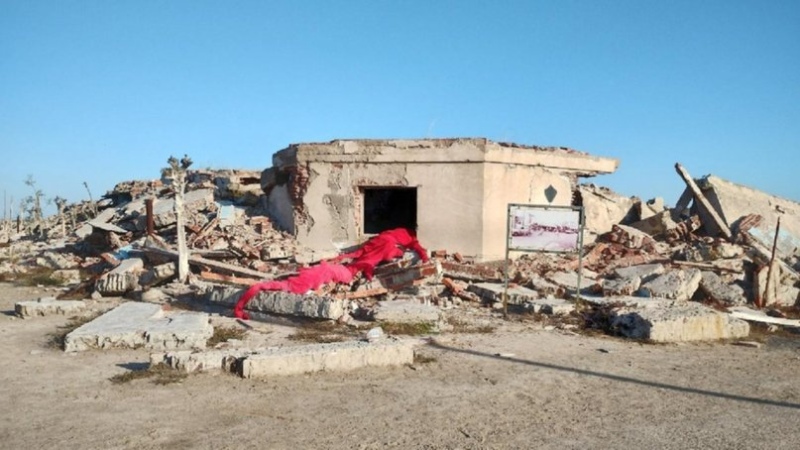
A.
pixel 543 229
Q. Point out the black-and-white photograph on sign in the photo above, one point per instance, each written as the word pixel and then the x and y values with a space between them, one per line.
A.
pixel 538 228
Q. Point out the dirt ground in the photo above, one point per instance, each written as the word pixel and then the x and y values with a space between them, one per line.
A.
pixel 519 387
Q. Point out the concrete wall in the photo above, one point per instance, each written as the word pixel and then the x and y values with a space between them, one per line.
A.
pixel 734 201
pixel 449 203
pixel 463 188
pixel 510 183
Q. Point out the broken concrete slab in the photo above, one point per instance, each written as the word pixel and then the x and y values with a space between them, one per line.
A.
pixel 569 280
pixel 46 306
pixel 679 322
pixel 553 306
pixel 339 356
pixel 54 260
pixel 718 290
pixel 619 301
pixel 620 286
pixel 493 292
pixel 191 361
pixel 283 303
pixel 405 311
pixel 134 325
pixel 675 285
pixel 735 201
pixel 711 219
pixel 121 279
pixel 544 287
pixel 603 209
pixel 656 225
pixel 67 276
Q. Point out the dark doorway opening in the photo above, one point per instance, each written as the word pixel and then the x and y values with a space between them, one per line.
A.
pixel 387 208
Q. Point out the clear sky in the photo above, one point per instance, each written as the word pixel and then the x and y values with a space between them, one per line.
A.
pixel 106 91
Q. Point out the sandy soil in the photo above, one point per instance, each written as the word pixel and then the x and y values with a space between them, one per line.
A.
pixel 549 389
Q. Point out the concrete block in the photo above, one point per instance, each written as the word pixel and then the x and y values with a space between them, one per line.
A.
pixel 716 289
pixel 569 280
pixel 121 279
pixel 620 286
pixel 284 303
pixel 405 311
pixel 339 356
pixel 679 322
pixel 159 274
pixel 493 292
pixel 191 361
pixel 675 285
pixel 544 287
pixel 645 272
pixel 48 306
pixel 554 306
pixel 626 301
pixel 134 325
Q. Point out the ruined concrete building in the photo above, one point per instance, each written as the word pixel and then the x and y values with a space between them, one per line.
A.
pixel 456 191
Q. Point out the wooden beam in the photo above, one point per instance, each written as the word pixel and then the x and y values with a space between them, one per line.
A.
pixel 703 203
pixel 198 261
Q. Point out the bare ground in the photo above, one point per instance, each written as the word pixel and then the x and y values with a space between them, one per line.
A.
pixel 520 387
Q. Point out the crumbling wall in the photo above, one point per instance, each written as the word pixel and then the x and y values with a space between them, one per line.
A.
pixel 734 201
pixel 604 208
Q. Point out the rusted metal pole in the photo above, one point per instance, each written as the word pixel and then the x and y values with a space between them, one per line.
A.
pixel 148 203
pixel 771 263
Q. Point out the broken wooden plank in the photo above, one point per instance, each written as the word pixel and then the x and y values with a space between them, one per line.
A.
pixel 703 203
pixel 199 261
pixel 231 279
pixel 706 266
pixel 745 313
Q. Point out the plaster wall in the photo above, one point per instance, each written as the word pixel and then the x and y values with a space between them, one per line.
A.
pixel 449 205
pixel 510 183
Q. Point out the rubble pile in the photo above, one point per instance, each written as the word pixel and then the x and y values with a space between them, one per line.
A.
pixel 658 273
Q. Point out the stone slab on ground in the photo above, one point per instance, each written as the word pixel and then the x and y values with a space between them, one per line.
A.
pixel 554 306
pixel 283 303
pixel 544 287
pixel 135 325
pixel 645 272
pixel 46 306
pixel 191 361
pixel 493 292
pixel 405 311
pixel 339 356
pixel 620 286
pixel 569 280
pixel 678 322
pixel 627 301
pixel 674 285
pixel 716 289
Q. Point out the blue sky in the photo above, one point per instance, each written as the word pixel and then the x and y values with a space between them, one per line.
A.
pixel 106 91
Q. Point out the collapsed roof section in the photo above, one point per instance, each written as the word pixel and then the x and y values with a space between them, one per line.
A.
pixel 455 191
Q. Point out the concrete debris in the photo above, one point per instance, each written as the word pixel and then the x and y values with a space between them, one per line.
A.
pixel 493 292
pixel 678 322
pixel 719 291
pixel 675 285
pixel 320 200
pixel 46 306
pixel 335 357
pixel 135 325
pixel 552 306
pixel 751 315
pixel 282 303
pixel 405 311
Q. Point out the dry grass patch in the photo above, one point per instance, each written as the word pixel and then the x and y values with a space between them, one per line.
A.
pixel 56 339
pixel 408 329
pixel 460 326
pixel 322 333
pixel 160 374
pixel 224 334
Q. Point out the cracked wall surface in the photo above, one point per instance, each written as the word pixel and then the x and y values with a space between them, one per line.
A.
pixel 463 188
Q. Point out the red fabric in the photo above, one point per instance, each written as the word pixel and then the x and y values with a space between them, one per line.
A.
pixel 309 279
pixel 386 246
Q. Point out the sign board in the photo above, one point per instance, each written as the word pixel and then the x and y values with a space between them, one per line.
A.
pixel 543 228
pixel 536 228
